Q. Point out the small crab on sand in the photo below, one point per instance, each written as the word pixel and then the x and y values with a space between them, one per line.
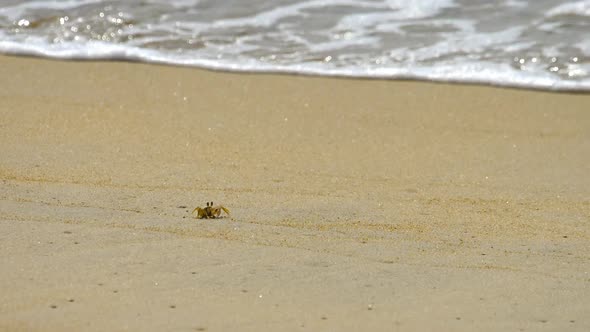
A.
pixel 209 212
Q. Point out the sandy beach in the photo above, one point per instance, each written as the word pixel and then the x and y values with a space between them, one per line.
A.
pixel 355 204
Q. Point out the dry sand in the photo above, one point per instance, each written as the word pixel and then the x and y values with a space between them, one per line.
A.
pixel 356 205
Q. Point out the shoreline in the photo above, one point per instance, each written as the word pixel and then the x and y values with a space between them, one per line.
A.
pixel 355 203
pixel 575 91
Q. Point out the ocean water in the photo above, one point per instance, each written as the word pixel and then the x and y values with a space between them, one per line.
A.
pixel 525 43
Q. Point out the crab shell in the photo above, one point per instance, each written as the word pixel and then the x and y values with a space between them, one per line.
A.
pixel 210 211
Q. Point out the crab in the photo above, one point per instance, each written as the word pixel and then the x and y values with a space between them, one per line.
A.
pixel 209 212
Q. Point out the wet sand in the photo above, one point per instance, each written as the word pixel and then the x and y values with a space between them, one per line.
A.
pixel 356 204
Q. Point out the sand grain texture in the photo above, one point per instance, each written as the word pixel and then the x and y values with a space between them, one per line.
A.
pixel 356 204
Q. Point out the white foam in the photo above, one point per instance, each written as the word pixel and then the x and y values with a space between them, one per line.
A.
pixel 400 10
pixel 573 8
pixel 469 72
pixel 17 11
pixel 516 3
pixel 584 46
pixel 463 43
pixel 270 17
pixel 411 10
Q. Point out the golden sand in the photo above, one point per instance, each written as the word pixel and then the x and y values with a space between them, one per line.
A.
pixel 356 204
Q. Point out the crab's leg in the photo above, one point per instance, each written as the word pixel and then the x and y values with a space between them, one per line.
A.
pixel 200 213
pixel 224 209
pixel 196 209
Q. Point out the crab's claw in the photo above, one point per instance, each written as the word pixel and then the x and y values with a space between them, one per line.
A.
pixel 225 210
